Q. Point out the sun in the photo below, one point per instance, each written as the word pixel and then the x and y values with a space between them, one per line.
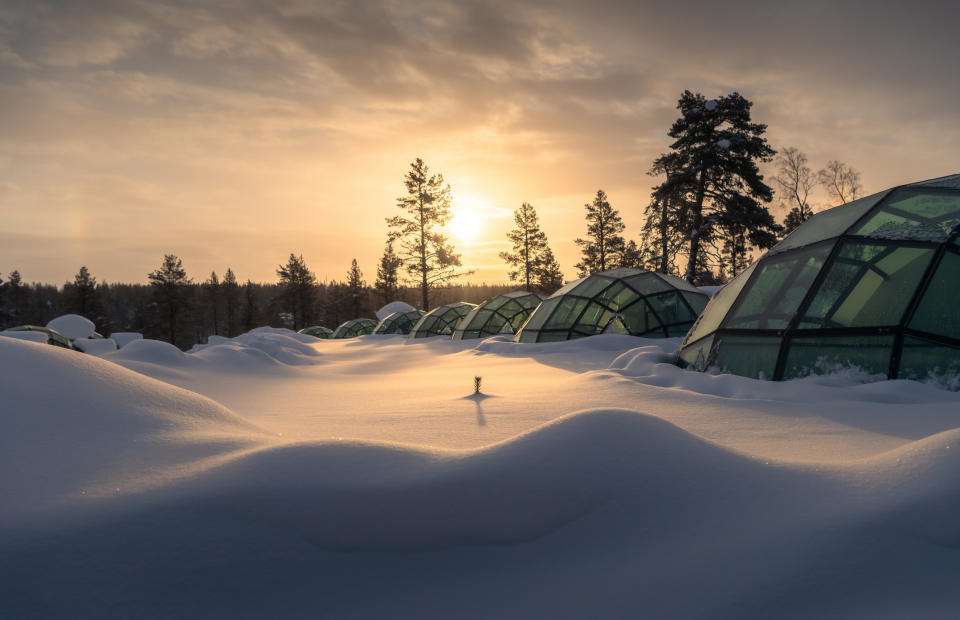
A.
pixel 467 222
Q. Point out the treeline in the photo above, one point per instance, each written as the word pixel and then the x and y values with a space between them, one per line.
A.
pixel 175 308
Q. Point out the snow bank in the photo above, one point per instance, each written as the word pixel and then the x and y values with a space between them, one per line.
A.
pixel 393 306
pixel 72 326
pixel 124 338
pixel 96 346
pixel 25 335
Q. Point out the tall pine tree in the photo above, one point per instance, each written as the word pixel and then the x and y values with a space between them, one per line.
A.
pixel 714 176
pixel 428 257
pixel 170 287
pixel 604 243
pixel 548 274
pixel 529 247
pixel 212 292
pixel 357 289
pixel 298 288
pixel 388 277
pixel 231 294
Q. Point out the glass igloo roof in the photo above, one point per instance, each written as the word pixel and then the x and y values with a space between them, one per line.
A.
pixel 354 328
pixel 441 321
pixel 399 322
pixel 317 331
pixel 871 284
pixel 624 301
pixel 504 314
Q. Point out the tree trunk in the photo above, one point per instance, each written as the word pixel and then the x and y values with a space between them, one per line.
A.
pixel 664 241
pixel 697 225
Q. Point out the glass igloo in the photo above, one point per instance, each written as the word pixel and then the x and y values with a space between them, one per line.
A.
pixel 354 328
pixel 441 321
pixel 621 301
pixel 398 322
pixel 873 284
pixel 504 314
pixel 317 331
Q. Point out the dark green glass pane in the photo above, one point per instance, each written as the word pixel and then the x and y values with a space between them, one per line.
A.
pixel 670 308
pixel 777 288
pixel 594 315
pixel 496 302
pixel 542 313
pixel 612 295
pixel 647 284
pixel 923 360
pixel 566 288
pixel 679 331
pixel 697 354
pixel 639 319
pixel 719 304
pixel 827 224
pixel 747 356
pixel 555 336
pixel 616 326
pixel 697 301
pixel 939 309
pixel 868 284
pixel 830 353
pixel 678 283
pixel 517 320
pixel 592 285
pixel 567 312
pixel 914 215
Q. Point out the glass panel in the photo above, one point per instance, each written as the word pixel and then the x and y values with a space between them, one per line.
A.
pixel 670 308
pixel 679 283
pixel 697 354
pixel 777 289
pixel 568 287
pixel 828 353
pixel 719 304
pixel 611 296
pixel 827 224
pixel 616 326
pixel 868 284
pixel 647 284
pixel 478 318
pixel 494 325
pixel 518 319
pixel 639 319
pixel 568 311
pixel 678 331
pixel 939 309
pixel 594 316
pixel 747 356
pixel 542 313
pixel 697 301
pixel 914 215
pixel 554 336
pixel 496 302
pixel 949 182
pixel 922 360
pixel 592 285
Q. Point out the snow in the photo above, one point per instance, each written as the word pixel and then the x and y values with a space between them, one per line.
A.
pixel 393 306
pixel 272 476
pixel 95 346
pixel 723 143
pixel 25 335
pixel 72 326
pixel 124 338
pixel 711 105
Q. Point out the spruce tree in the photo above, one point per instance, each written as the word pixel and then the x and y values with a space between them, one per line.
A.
pixel 17 294
pixel 231 292
pixel 357 289
pixel 298 290
pixel 211 296
pixel 549 278
pixel 251 313
pixel 714 175
pixel 529 246
pixel 4 316
pixel 84 289
pixel 170 283
pixel 604 242
pixel 428 257
pixel 388 279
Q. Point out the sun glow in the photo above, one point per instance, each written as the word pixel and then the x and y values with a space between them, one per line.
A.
pixel 468 219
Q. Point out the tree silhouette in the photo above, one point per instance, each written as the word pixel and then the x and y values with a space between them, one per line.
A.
pixel 529 247
pixel 604 242
pixel 388 279
pixel 298 290
pixel 170 284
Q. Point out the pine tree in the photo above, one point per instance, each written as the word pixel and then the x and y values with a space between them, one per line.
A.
pixel 84 289
pixel 251 313
pixel 604 242
pixel 714 172
pixel 357 289
pixel 211 297
pixel 388 281
pixel 529 247
pixel 231 292
pixel 662 234
pixel 549 278
pixel 17 295
pixel 428 257
pixel 298 290
pixel 170 284
pixel 4 316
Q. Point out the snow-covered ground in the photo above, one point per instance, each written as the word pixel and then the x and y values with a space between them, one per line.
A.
pixel 276 475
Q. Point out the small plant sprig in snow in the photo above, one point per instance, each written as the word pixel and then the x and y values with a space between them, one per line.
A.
pixel 476 384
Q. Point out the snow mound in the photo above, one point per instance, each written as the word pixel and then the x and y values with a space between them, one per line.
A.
pixel 73 326
pixel 96 346
pixel 26 335
pixel 81 424
pixel 393 306
pixel 267 344
pixel 124 338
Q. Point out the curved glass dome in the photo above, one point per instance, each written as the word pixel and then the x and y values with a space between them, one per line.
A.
pixel 874 283
pixel 441 321
pixel 398 322
pixel 354 328
pixel 504 314
pixel 53 336
pixel 622 301
pixel 317 331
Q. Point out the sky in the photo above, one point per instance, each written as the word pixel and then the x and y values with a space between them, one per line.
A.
pixel 235 133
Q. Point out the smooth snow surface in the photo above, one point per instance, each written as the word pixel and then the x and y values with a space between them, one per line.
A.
pixel 96 346
pixel 276 475
pixel 124 338
pixel 393 306
pixel 72 326
pixel 25 335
